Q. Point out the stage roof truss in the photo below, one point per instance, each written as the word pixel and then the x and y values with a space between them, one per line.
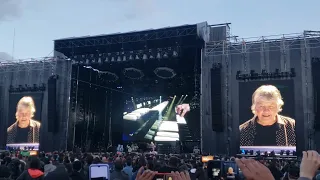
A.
pixel 126 38
pixel 33 64
pixel 243 46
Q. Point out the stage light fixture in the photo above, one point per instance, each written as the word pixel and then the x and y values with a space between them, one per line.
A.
pixel 165 72
pixel 264 75
pixel 258 153
pixel 281 152
pixel 175 54
pixel 144 57
pixel 119 58
pixel 288 152
pixel 158 55
pixel 151 57
pixel 165 55
pixel 124 58
pixel 87 61
pixel 112 59
pixel 137 57
pixel 133 73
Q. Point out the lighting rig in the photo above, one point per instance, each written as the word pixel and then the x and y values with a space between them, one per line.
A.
pixel 282 153
pixel 123 56
pixel 265 75
pixel 27 88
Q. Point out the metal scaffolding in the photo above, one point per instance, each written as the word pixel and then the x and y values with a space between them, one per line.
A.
pixel 32 64
pixel 300 41
pixel 126 37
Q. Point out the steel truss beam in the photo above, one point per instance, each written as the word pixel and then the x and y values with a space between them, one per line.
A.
pixel 126 38
pixel 33 64
pixel 246 45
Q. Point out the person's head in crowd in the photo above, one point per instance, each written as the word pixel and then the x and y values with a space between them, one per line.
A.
pixel 128 161
pixel 118 164
pixel 4 172
pixel 266 103
pixel 293 172
pixel 104 160
pixel 77 166
pixel 89 159
pixel 20 156
pixel 66 160
pixel 25 111
pixel 183 168
pixel 34 162
pixel 96 160
pixel 173 162
pixel 110 160
pixel 16 167
pixel 150 164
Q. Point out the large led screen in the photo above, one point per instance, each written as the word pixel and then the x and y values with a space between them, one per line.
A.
pixel 24 121
pixel 153 118
pixel 267 120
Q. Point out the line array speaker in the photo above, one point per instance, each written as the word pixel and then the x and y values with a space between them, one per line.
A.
pixel 53 123
pixel 316 90
pixel 216 100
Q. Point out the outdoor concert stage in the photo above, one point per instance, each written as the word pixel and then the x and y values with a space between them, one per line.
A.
pixel 112 73
pixel 119 88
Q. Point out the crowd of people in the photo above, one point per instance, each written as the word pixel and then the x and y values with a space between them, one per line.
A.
pixel 145 166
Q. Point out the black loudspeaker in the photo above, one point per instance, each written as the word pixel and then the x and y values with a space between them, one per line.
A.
pixel 316 93
pixel 53 123
pixel 216 100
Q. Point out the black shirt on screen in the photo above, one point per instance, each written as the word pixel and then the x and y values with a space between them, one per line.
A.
pixel 22 135
pixel 265 135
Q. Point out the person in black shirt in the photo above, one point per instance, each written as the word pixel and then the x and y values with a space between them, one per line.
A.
pixel 267 127
pixel 25 129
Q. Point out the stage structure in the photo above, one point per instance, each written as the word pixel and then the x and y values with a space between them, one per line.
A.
pixel 109 69
pixel 31 76
pixel 287 56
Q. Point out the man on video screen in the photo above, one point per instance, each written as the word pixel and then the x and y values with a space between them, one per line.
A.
pixel 267 127
pixel 25 129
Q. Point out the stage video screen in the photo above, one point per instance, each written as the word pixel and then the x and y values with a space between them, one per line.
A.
pixel 153 118
pixel 24 121
pixel 266 116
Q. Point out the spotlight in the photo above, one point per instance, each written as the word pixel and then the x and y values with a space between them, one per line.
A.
pixel 119 58
pixel 124 58
pixel 144 57
pixel 251 152
pixel 175 54
pixel 165 55
pixel 137 57
pixel 130 57
pixel 106 60
pixel 258 153
pixel 158 55
pixel 272 154
pixel 281 152
pixel 112 59
pixel 287 152
pixel 238 75
pixel 87 61
pixel 292 72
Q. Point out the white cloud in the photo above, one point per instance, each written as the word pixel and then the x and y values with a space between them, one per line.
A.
pixel 9 9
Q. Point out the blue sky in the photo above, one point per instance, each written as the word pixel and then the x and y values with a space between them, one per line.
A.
pixel 38 22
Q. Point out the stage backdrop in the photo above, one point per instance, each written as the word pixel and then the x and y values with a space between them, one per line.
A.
pixel 246 89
